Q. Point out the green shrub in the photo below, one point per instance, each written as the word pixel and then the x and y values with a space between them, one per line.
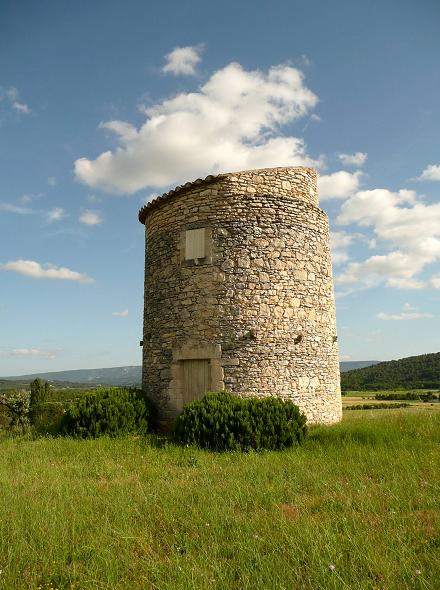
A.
pixel 224 422
pixel 377 406
pixel 424 396
pixel 112 412
pixel 16 404
pixel 48 417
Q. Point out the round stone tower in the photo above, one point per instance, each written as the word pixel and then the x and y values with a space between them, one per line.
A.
pixel 239 293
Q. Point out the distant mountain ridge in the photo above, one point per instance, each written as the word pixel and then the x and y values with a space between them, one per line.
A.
pixel 131 375
pixel 345 366
pixel 412 372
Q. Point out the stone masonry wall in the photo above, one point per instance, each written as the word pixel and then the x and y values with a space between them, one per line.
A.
pixel 260 306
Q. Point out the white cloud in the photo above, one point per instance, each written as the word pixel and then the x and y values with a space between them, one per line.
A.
pixel 32 352
pixel 21 107
pixel 408 313
pixel 11 208
pixel 11 96
pixel 396 268
pixel 403 223
pixel 120 314
pixel 357 159
pixel 33 269
pixel 431 172
pixel 55 214
pixel 435 281
pixel 405 283
pixel 339 241
pixel 52 181
pixel 229 124
pixel 90 217
pixel 148 198
pixel 183 60
pixel 338 185
pixel 340 257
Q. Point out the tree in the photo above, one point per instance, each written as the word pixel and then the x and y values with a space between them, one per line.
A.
pixel 39 394
pixel 17 403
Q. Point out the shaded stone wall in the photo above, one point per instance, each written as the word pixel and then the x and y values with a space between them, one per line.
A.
pixel 260 306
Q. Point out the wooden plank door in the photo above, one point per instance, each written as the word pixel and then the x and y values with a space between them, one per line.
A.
pixel 196 379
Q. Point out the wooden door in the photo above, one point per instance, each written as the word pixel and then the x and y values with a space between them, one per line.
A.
pixel 196 379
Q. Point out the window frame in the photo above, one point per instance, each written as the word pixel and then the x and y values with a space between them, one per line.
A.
pixel 207 259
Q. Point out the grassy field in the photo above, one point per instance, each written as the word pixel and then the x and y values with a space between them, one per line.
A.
pixel 356 507
pixel 354 398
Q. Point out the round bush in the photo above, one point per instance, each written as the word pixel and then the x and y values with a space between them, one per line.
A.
pixel 111 412
pixel 224 422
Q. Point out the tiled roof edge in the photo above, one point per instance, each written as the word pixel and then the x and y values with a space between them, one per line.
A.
pixel 210 178
pixel 179 189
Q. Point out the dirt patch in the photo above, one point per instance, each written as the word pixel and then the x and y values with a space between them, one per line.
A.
pixel 290 511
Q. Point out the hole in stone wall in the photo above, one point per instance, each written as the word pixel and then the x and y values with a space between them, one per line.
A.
pixel 297 339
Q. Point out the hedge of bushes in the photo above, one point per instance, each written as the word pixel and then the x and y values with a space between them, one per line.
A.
pixel 424 396
pixel 377 406
pixel 112 412
pixel 224 422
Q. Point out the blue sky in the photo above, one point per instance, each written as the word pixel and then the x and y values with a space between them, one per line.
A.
pixel 105 104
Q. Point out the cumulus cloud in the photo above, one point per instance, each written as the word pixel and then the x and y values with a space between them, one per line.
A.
pixel 357 159
pixel 33 269
pixel 90 217
pixel 408 313
pixel 230 123
pixel 120 314
pixel 32 352
pixel 338 185
pixel 183 60
pixel 431 172
pixel 406 225
pixel 55 214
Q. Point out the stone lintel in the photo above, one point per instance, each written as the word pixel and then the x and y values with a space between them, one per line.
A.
pixel 192 351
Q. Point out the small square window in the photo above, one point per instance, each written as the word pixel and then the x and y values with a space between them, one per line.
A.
pixel 195 246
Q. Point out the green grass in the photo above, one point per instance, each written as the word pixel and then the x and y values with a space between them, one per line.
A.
pixel 368 394
pixel 130 514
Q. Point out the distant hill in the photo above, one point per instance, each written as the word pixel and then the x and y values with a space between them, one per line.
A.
pixel 413 372
pixel 107 376
pixel 351 365
pixel 120 375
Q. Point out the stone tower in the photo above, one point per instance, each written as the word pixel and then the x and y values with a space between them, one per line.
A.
pixel 239 293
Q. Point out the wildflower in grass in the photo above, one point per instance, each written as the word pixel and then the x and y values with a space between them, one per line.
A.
pixel 331 567
pixel 418 572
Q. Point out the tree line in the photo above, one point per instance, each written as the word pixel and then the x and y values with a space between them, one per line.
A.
pixel 414 372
